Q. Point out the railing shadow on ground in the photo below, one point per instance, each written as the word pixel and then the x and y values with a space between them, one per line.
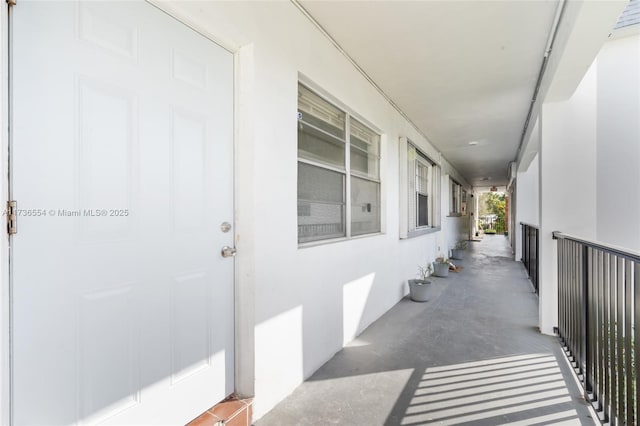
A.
pixel 520 389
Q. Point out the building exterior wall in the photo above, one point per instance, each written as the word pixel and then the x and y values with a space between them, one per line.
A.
pixel 567 183
pixel 455 228
pixel 618 182
pixel 298 306
pixel 589 183
pixel 303 304
pixel 306 302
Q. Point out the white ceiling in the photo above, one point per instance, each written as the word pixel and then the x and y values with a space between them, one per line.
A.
pixel 462 71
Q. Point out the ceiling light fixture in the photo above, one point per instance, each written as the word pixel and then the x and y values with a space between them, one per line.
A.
pixel 473 143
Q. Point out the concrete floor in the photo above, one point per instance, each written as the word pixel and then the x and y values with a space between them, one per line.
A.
pixel 471 355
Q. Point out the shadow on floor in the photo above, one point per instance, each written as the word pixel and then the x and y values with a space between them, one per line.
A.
pixel 471 355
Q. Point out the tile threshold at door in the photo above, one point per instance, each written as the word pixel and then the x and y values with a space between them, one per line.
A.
pixel 230 412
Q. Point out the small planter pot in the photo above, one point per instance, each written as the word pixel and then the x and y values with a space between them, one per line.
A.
pixel 457 254
pixel 441 269
pixel 419 290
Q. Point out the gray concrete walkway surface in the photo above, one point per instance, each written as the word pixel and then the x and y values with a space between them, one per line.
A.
pixel 472 355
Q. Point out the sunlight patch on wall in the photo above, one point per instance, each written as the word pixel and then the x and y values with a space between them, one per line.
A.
pixel 279 350
pixel 354 301
pixel 356 343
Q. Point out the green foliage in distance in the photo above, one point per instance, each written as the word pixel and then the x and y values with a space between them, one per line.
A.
pixel 495 203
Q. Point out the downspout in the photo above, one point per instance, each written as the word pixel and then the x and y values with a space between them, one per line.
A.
pixel 547 53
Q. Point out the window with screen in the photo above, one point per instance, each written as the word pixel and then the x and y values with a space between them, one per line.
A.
pixel 423 177
pixel 338 160
pixel 455 206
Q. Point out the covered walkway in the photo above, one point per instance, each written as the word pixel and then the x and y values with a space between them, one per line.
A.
pixel 471 355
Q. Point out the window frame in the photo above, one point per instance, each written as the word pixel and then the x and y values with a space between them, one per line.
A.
pixel 463 203
pixel 455 198
pixel 346 169
pixel 433 180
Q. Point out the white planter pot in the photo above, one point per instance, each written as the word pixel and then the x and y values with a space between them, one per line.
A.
pixel 441 269
pixel 419 290
pixel 457 254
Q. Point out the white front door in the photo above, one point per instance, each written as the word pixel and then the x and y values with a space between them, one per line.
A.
pixel 122 306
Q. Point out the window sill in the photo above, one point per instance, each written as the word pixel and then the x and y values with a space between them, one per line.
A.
pixel 456 215
pixel 419 232
pixel 336 240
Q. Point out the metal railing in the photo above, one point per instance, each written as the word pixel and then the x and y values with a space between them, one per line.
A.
pixel 530 247
pixel 599 323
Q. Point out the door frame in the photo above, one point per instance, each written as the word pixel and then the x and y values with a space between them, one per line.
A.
pixel 5 292
pixel 244 276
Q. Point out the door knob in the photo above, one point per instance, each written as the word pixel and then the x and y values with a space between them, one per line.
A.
pixel 228 251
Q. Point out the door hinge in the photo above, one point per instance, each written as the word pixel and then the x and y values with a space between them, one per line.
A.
pixel 12 217
pixel 12 2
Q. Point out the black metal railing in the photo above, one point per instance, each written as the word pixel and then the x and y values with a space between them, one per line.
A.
pixel 599 323
pixel 530 252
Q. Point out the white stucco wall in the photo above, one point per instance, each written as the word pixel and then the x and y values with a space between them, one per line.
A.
pixel 455 228
pixel 305 303
pixel 589 180
pixel 618 173
pixel 567 183
pixel 527 201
